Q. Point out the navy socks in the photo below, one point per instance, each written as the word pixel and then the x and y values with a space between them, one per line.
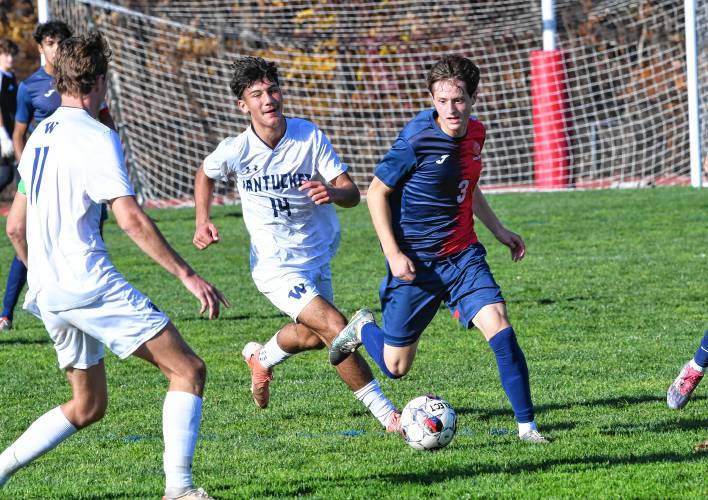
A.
pixel 514 373
pixel 701 356
pixel 373 339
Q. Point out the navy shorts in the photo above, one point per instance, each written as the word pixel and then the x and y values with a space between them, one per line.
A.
pixel 463 281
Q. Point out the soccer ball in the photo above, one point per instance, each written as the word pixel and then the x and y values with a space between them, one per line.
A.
pixel 428 422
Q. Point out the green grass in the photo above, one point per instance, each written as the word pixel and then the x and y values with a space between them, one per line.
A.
pixel 609 303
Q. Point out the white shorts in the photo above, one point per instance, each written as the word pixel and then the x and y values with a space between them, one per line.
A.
pixel 123 320
pixel 292 291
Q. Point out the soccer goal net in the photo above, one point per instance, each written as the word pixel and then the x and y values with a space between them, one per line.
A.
pixel 357 69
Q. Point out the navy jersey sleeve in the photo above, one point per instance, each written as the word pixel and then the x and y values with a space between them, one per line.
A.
pixel 25 111
pixel 396 164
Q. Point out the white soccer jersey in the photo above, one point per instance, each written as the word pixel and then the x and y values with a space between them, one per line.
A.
pixel 288 231
pixel 70 164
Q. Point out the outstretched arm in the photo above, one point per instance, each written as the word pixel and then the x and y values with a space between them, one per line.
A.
pixel 17 225
pixel 141 229
pixel 206 232
pixel 377 199
pixel 484 212
pixel 342 192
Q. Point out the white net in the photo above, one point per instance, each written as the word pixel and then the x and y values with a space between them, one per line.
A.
pixel 357 69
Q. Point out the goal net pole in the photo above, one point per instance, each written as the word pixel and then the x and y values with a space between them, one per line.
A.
pixel 548 107
pixel 694 125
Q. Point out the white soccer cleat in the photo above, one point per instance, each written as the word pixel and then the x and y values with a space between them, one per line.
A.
pixel 192 494
pixel 533 436
pixel 349 339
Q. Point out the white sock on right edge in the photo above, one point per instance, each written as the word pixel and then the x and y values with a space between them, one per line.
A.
pixel 271 354
pixel 43 435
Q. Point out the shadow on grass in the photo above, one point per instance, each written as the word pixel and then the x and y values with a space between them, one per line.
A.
pixel 235 491
pixel 597 461
pixel 99 497
pixel 546 301
pixel 485 413
pixel 655 427
pixel 24 341
pixel 246 317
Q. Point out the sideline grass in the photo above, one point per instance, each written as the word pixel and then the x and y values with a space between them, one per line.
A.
pixel 609 303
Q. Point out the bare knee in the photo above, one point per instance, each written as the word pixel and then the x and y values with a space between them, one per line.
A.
pixel 197 371
pixel 190 375
pixel 313 343
pixel 84 412
pixel 398 370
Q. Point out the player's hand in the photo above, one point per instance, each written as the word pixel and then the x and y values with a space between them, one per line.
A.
pixel 7 150
pixel 318 192
pixel 514 242
pixel 207 294
pixel 401 266
pixel 205 235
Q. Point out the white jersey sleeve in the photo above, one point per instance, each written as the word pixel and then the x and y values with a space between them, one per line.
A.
pixel 328 162
pixel 223 163
pixel 109 179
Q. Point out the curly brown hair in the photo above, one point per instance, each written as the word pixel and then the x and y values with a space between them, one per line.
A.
pixel 249 70
pixel 80 60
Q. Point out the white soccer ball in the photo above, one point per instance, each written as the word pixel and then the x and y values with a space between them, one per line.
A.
pixel 428 422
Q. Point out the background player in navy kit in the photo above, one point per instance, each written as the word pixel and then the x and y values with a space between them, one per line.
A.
pixel 8 105
pixel 37 99
pixel 422 200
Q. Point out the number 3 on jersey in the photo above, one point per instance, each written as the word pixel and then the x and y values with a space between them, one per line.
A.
pixel 280 205
pixel 462 186
pixel 37 177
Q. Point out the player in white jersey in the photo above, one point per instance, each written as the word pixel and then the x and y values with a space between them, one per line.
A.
pixel 288 177
pixel 70 165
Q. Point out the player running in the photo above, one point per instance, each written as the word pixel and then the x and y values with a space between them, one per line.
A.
pixel 71 164
pixel 422 200
pixel 288 178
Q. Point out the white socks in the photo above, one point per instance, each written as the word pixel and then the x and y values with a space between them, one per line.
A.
pixel 271 354
pixel 378 404
pixel 696 366
pixel 43 435
pixel 526 427
pixel 181 415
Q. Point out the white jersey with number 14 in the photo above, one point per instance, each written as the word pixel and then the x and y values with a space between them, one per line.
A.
pixel 288 231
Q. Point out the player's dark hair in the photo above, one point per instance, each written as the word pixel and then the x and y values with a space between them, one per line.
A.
pixel 80 60
pixel 452 67
pixel 250 70
pixel 7 46
pixel 51 29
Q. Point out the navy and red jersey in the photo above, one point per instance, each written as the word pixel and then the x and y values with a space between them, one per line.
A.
pixel 433 177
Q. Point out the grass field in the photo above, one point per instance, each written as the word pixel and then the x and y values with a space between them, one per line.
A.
pixel 611 300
